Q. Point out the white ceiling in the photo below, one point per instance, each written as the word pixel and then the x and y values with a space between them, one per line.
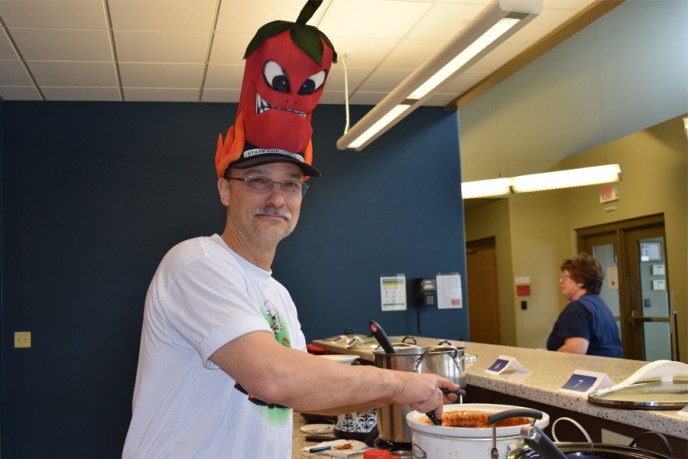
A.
pixel 191 51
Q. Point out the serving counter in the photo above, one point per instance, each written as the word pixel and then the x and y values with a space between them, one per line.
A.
pixel 540 386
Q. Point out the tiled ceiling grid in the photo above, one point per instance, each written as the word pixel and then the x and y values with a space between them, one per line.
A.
pixel 165 50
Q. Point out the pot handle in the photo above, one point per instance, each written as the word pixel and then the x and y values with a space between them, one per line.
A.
pixel 516 412
pixel 664 439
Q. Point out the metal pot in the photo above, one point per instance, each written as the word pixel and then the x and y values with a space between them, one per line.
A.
pixel 600 451
pixel 439 442
pixel 444 361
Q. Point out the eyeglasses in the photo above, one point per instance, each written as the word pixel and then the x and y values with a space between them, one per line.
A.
pixel 257 184
pixel 564 276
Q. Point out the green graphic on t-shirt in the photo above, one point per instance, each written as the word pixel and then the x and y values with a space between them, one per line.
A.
pixel 279 328
pixel 276 416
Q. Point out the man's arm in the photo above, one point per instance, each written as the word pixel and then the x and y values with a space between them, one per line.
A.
pixel 277 374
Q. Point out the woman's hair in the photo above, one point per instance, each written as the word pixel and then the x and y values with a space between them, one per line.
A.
pixel 586 270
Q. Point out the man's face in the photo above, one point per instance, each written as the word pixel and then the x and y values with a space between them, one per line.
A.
pixel 259 217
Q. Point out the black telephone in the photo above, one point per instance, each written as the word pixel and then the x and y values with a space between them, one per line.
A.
pixel 425 290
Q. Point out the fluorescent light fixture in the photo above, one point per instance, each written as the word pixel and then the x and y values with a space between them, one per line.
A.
pixel 486 188
pixel 570 178
pixel 378 125
pixel 566 179
pixel 496 23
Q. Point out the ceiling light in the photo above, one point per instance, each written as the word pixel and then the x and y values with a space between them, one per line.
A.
pixel 486 188
pixel 497 22
pixel 570 178
pixel 566 179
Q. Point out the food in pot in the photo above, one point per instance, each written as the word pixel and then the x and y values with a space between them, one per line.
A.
pixel 467 418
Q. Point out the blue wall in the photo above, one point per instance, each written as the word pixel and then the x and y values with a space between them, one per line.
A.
pixel 94 194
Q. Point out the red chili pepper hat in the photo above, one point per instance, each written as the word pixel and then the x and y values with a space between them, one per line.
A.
pixel 287 64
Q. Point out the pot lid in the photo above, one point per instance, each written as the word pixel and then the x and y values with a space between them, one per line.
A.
pixel 652 387
pixel 650 395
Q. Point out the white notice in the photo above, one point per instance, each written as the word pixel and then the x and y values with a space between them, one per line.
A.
pixel 449 291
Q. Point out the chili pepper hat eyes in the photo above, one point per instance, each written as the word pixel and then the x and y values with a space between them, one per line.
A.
pixel 287 64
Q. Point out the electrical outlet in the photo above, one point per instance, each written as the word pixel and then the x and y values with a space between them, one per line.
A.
pixel 22 340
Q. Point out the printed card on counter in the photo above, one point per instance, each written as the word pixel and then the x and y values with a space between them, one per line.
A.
pixel 503 362
pixel 583 382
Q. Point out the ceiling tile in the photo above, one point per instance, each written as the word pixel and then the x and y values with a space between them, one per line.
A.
pixel 174 47
pixel 336 80
pixel 6 49
pixel 383 78
pixel 363 52
pixel 229 48
pixel 161 75
pixel 19 93
pixel 374 18
pixel 63 44
pixel 83 94
pixel 54 14
pixel 411 54
pixel 224 77
pixel 161 94
pixel 74 74
pixel 242 16
pixel 171 16
pixel 444 20
pixel 13 73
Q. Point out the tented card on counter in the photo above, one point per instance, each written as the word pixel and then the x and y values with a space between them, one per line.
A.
pixel 503 362
pixel 583 382
pixel 684 412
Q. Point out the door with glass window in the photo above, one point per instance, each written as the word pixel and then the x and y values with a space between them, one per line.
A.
pixel 633 255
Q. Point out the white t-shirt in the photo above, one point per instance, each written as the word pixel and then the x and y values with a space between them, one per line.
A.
pixel 203 296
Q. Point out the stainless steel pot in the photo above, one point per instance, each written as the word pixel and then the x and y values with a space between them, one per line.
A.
pixel 445 361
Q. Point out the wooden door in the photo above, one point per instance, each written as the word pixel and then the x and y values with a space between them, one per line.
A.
pixel 483 297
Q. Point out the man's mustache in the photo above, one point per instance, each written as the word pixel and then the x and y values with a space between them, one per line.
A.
pixel 284 213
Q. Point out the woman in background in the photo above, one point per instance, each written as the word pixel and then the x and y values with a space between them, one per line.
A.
pixel 586 325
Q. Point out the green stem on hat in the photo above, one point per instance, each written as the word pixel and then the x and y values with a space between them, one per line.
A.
pixel 308 10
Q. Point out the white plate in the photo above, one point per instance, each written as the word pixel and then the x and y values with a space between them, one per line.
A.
pixel 418 421
pixel 318 428
pixel 343 358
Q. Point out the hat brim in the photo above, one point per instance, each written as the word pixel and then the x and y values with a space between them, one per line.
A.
pixel 245 163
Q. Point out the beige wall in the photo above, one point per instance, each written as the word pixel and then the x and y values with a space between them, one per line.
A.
pixel 541 226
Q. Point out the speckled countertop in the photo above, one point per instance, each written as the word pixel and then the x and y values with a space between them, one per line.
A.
pixel 548 372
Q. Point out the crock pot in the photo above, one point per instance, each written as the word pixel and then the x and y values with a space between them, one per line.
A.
pixel 439 442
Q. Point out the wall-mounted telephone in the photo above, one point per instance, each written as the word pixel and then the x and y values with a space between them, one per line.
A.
pixel 425 291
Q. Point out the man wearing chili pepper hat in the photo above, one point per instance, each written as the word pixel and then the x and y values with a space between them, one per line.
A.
pixel 222 363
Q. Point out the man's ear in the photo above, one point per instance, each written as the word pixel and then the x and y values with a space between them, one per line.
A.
pixel 223 190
